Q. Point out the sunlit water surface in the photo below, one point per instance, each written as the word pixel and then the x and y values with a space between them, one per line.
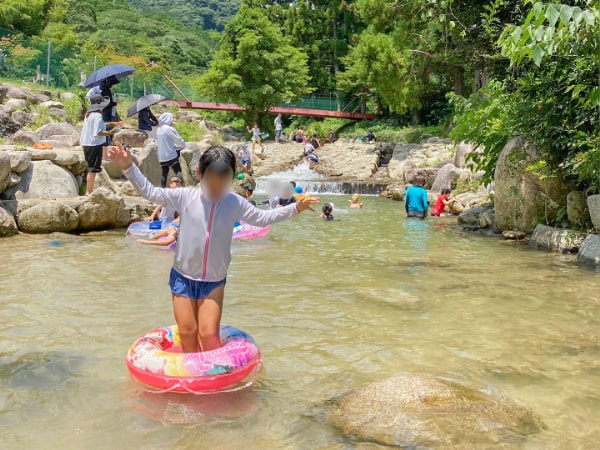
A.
pixel 332 305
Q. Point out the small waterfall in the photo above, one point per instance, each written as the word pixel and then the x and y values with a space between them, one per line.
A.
pixel 314 183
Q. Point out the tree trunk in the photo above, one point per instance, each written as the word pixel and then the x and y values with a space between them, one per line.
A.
pixel 459 81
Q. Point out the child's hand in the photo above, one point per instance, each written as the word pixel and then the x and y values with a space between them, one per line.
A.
pixel 304 203
pixel 120 156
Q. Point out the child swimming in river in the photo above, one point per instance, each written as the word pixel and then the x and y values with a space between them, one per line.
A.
pixel 327 212
pixel 208 215
pixel 355 202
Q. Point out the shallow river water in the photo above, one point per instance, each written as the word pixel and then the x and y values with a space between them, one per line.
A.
pixel 332 305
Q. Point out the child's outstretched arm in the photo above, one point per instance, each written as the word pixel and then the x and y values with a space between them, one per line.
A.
pixel 173 198
pixel 262 218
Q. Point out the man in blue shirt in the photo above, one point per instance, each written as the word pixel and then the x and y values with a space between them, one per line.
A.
pixel 415 199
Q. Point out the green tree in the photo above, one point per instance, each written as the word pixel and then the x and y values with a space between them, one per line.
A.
pixel 255 66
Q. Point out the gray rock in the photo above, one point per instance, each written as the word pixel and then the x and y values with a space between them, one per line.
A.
pixel 135 138
pixel 139 208
pixel 67 158
pixel 10 91
pixel 112 169
pixel 188 116
pixel 512 235
pixel 589 252
pixel 593 202
pixel 422 411
pixel 14 179
pixel 126 189
pixel 103 181
pixel 147 160
pixel 8 226
pixel 19 161
pixel 522 197
pixel 556 239
pixel 470 217
pixel 101 210
pixel 7 125
pixel 24 137
pixel 54 129
pixel 16 104
pixel 67 96
pixel 48 217
pixel 64 140
pixel 446 178
pixel 51 104
pixel 43 155
pixel 4 171
pixel 460 155
pixel 44 180
pixel 21 117
pixel 577 210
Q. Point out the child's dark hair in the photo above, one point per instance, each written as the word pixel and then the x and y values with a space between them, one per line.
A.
pixel 446 191
pixel 249 190
pixel 293 183
pixel 419 180
pixel 218 160
pixel 327 209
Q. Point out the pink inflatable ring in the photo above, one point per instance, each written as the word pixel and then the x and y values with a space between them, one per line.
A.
pixel 156 360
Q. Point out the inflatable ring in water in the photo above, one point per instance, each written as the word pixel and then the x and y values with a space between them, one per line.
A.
pixel 156 360
pixel 244 231
pixel 143 228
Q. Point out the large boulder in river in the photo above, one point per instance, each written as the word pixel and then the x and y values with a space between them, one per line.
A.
pixel 556 239
pixel 423 411
pixel 4 171
pixel 593 202
pixel 48 217
pixel 134 138
pixel 43 179
pixel 446 178
pixel 147 160
pixel 589 252
pixel 101 210
pixel 8 226
pixel 523 196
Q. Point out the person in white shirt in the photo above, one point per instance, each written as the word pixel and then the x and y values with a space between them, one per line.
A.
pixel 93 138
pixel 170 145
pixel 255 132
pixel 278 127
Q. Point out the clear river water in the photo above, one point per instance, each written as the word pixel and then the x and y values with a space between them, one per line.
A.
pixel 332 305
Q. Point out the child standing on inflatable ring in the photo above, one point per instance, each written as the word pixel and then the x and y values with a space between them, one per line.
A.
pixel 203 253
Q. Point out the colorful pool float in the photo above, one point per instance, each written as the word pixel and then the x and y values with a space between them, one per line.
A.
pixel 156 361
pixel 143 228
pixel 244 231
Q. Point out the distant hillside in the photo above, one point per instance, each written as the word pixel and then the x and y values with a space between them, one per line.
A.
pixel 207 14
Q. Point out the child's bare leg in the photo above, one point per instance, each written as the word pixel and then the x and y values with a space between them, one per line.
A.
pixel 186 316
pixel 209 319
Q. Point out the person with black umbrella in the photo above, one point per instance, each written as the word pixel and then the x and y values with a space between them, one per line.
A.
pixel 147 121
pixel 93 138
pixel 109 114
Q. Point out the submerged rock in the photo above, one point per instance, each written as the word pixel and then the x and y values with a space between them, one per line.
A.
pixel 423 411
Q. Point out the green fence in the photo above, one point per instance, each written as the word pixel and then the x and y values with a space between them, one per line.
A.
pixel 33 60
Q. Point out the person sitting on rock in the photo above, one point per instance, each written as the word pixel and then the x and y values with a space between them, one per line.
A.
pixel 166 214
pixel 415 199
pixel 442 201
pixel 371 137
pixel 170 235
pixel 316 142
pixel 355 202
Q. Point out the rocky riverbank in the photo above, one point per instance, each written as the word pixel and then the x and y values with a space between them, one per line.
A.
pixel 29 178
